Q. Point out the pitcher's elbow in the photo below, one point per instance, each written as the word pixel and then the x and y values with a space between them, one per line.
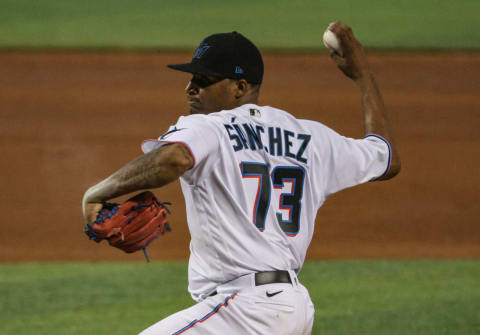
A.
pixel 394 170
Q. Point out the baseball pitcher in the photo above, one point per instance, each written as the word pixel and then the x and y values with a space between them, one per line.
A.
pixel 253 178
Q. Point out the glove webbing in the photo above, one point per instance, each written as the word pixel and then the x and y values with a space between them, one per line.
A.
pixel 167 226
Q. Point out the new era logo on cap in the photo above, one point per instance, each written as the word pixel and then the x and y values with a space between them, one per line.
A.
pixel 238 69
pixel 202 48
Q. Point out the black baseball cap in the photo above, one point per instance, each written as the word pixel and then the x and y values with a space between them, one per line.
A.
pixel 226 55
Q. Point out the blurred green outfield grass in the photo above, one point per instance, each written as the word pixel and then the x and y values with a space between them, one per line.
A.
pixel 272 24
pixel 351 297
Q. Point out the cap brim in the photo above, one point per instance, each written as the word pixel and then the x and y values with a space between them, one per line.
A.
pixel 194 69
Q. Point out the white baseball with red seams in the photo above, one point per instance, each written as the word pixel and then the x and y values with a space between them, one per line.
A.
pixel 332 42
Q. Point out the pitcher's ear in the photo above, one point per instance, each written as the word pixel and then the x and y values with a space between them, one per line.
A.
pixel 241 88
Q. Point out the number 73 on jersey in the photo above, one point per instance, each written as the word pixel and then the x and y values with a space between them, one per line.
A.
pixel 280 177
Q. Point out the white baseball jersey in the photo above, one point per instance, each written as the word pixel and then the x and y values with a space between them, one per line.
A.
pixel 258 179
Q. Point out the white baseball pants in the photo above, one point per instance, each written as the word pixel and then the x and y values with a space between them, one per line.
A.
pixel 241 308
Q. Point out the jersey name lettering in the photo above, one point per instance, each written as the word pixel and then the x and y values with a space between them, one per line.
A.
pixel 275 140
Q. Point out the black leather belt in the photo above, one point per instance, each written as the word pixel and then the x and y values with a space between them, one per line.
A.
pixel 269 277
pixel 272 277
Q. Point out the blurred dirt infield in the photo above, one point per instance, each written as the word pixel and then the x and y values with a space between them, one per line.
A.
pixel 68 120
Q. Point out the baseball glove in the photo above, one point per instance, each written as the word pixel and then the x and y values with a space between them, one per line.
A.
pixel 130 226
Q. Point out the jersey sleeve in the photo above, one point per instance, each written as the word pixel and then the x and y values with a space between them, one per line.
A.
pixel 348 162
pixel 193 131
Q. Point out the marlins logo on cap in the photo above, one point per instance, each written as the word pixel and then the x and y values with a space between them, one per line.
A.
pixel 202 48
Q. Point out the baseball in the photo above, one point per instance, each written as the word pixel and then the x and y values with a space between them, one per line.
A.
pixel 331 41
